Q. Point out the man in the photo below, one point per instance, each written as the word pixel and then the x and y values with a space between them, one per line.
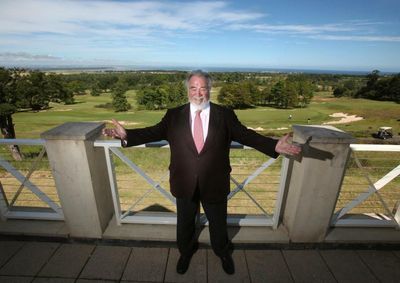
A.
pixel 199 134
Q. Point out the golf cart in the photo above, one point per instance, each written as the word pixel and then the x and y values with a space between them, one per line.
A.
pixel 384 133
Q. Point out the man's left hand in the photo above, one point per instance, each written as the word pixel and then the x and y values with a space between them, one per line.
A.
pixel 284 147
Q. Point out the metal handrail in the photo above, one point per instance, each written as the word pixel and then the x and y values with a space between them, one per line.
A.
pixel 111 147
pixel 391 219
pixel 7 208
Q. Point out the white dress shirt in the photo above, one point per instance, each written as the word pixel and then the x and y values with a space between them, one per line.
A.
pixel 205 118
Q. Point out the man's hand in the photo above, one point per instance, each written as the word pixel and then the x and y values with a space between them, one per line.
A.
pixel 284 147
pixel 118 132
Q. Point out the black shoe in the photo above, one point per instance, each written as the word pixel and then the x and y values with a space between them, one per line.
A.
pixel 227 264
pixel 183 264
pixel 184 260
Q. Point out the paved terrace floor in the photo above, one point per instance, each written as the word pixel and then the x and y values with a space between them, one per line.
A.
pixel 45 261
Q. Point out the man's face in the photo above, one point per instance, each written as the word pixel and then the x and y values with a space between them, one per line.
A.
pixel 198 91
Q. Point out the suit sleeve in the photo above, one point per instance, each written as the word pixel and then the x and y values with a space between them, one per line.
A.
pixel 149 134
pixel 251 138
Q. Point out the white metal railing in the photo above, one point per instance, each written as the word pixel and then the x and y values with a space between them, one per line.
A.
pixel 8 207
pixel 111 147
pixel 391 218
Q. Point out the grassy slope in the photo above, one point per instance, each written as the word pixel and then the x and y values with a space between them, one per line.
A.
pixel 154 161
pixel 31 124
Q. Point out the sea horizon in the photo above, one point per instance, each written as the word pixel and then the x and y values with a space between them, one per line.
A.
pixel 127 68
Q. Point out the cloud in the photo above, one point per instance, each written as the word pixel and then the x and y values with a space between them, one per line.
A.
pixel 293 29
pixel 357 38
pixel 24 56
pixel 79 17
pixel 155 21
pixel 153 31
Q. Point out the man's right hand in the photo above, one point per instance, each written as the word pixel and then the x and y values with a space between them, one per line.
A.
pixel 118 132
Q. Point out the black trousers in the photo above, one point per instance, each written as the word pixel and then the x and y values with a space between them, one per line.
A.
pixel 186 227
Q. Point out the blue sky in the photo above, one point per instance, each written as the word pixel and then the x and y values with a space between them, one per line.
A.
pixel 338 35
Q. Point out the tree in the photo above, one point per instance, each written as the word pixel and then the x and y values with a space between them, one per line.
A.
pixel 77 87
pixel 20 89
pixel 7 108
pixel 305 92
pixel 285 94
pixel 235 95
pixel 119 101
pixel 381 88
pixel 95 91
pixel 266 95
pixel 163 96
pixel 277 92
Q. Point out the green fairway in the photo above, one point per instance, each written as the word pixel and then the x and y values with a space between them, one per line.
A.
pixel 266 120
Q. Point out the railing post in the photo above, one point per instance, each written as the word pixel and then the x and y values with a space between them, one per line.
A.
pixel 315 181
pixel 3 204
pixel 80 174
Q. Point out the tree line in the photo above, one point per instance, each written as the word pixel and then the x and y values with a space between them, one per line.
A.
pixel 374 86
pixel 293 91
pixel 23 90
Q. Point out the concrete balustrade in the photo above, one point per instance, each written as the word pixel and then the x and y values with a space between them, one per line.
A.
pixel 315 181
pixel 80 174
pixel 312 188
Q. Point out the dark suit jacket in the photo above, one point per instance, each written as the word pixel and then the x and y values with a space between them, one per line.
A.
pixel 210 169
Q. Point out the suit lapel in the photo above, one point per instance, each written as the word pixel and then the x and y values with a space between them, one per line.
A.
pixel 186 128
pixel 213 126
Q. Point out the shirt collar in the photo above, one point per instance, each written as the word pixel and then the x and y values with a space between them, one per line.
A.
pixel 206 108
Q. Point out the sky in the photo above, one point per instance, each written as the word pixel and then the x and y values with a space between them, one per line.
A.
pixel 359 35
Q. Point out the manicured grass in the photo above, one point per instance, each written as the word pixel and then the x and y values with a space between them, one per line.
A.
pixel 267 120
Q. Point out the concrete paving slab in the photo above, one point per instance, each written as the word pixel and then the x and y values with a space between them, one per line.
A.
pixel 347 266
pixel 217 274
pixel 95 281
pixel 68 261
pixel 197 271
pixel 146 232
pixel 253 235
pixel 259 235
pixel 29 259
pixel 53 280
pixel 267 266
pixel 384 264
pixel 106 262
pixel 307 266
pixel 146 264
pixel 15 279
pixel 8 249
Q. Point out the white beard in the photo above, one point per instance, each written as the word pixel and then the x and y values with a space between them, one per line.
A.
pixel 200 106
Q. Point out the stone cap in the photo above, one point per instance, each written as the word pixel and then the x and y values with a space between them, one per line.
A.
pixel 322 134
pixel 74 131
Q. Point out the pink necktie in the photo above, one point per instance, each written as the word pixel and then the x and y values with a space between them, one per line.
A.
pixel 198 132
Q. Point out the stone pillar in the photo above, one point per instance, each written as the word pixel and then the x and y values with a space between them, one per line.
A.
pixel 315 181
pixel 81 178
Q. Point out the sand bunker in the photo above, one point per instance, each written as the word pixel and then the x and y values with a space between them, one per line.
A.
pixel 56 110
pixel 345 118
pixel 123 123
pixel 256 129
pixel 262 129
